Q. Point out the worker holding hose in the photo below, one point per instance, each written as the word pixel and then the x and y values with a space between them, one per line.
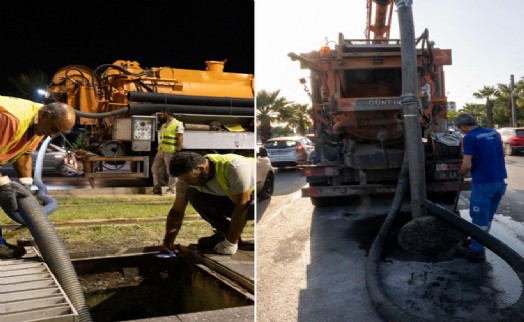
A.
pixel 484 157
pixel 24 124
pixel 221 189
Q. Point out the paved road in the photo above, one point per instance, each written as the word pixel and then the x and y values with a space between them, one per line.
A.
pixel 310 262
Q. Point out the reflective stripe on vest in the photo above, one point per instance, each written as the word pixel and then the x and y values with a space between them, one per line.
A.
pixel 168 137
pixel 221 162
pixel 25 111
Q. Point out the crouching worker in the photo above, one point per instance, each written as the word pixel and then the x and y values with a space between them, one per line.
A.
pixel 221 189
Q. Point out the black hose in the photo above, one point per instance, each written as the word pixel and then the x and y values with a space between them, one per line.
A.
pixel 380 301
pixel 102 115
pixel 164 98
pixel 53 252
pixel 391 311
pixel 145 108
pixel 51 246
pixel 150 108
pixel 50 204
pixel 514 312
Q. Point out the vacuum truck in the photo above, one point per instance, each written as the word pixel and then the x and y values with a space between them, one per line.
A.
pixel 357 117
pixel 119 105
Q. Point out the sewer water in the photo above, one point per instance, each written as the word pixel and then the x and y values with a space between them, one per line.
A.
pixel 131 289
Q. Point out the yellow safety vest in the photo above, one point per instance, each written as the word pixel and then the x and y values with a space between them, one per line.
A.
pixel 221 162
pixel 168 138
pixel 25 111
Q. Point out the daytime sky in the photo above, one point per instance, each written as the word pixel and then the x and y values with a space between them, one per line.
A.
pixel 484 37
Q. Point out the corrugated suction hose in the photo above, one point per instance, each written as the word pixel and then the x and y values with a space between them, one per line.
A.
pixel 49 243
pixel 391 311
pixel 53 252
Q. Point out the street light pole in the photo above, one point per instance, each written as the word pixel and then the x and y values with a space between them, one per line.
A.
pixel 513 110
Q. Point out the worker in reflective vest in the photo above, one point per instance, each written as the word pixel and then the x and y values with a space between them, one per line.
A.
pixel 170 140
pixel 24 124
pixel 221 189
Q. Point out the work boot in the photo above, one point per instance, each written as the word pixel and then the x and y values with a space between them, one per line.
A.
pixel 8 251
pixel 157 191
pixel 210 241
pixel 470 254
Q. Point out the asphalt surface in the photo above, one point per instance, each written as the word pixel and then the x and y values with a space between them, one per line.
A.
pixel 311 265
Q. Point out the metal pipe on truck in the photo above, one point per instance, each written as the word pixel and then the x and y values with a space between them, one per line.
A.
pixel 164 98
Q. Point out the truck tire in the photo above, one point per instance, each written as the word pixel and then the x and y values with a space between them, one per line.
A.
pixel 267 189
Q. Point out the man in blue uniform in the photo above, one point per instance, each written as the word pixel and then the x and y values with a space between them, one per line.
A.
pixel 484 157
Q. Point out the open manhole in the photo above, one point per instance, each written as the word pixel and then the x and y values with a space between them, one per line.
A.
pixel 138 286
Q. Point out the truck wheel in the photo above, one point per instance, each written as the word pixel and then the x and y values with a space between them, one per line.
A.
pixel 267 189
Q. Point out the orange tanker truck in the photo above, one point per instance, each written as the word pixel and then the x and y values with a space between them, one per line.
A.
pixel 118 106
pixel 358 119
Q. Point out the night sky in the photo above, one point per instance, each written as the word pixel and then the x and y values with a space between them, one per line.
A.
pixel 48 35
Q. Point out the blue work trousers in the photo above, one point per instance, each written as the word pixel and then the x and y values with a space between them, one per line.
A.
pixel 484 201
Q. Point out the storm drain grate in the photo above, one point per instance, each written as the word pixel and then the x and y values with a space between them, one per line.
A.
pixel 29 292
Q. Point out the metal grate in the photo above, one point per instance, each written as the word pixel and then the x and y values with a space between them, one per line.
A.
pixel 29 292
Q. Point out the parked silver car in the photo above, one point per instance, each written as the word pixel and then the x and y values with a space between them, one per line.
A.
pixel 289 150
pixel 57 161
pixel 265 175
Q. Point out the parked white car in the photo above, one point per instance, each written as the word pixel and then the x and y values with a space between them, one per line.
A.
pixel 265 175
pixel 289 150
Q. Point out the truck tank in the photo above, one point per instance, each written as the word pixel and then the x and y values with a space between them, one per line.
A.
pixel 119 104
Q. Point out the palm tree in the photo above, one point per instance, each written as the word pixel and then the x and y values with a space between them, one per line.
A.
pixel 487 92
pixel 477 110
pixel 269 108
pixel 299 118
pixel 26 85
pixel 503 109
pixel 519 100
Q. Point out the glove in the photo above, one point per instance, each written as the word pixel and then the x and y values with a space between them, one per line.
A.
pixel 226 248
pixel 9 194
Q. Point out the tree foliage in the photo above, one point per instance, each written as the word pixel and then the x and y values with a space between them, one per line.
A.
pixel 489 93
pixel 498 109
pixel 274 109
